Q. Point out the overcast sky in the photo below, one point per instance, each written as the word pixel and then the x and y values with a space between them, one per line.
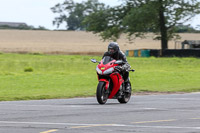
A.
pixel 38 13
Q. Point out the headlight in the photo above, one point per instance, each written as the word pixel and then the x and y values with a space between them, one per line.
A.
pixel 98 70
pixel 110 70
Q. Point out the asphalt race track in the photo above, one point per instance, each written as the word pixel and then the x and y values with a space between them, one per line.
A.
pixel 172 113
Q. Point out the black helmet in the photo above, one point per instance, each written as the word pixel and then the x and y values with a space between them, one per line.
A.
pixel 113 48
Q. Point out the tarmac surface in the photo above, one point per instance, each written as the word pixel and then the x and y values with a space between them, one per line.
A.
pixel 171 113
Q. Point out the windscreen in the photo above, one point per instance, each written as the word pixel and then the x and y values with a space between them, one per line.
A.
pixel 107 59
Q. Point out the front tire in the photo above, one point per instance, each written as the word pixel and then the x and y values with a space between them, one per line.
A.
pixel 101 94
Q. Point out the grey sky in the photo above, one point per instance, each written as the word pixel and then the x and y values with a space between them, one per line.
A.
pixel 38 13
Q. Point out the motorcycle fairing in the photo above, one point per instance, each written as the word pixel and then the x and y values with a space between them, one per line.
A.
pixel 104 67
pixel 117 81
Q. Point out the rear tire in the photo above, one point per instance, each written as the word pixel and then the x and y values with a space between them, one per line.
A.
pixel 101 94
pixel 125 98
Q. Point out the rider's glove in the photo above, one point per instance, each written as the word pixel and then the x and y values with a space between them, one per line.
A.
pixel 118 68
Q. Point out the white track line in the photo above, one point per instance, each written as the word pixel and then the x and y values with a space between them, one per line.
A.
pixel 73 106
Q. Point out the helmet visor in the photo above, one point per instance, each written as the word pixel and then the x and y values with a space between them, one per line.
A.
pixel 111 50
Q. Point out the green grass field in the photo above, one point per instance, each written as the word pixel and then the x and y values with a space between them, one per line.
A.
pixel 29 76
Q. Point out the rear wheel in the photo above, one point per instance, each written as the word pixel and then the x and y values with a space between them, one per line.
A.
pixel 125 98
pixel 101 94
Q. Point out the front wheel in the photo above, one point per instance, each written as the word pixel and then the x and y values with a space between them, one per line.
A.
pixel 101 94
pixel 125 98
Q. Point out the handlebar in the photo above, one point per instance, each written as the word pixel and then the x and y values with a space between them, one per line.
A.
pixel 132 70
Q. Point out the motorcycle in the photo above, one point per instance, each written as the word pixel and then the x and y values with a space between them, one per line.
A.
pixel 111 83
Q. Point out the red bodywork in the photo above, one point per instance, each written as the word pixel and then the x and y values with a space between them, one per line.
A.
pixel 114 76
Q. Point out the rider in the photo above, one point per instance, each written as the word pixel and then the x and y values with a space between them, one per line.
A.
pixel 117 54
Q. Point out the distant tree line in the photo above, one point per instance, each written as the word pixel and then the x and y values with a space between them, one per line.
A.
pixel 22 27
pixel 185 29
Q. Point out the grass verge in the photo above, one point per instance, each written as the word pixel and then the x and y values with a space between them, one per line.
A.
pixel 37 76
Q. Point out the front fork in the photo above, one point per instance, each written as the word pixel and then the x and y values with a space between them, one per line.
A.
pixel 106 84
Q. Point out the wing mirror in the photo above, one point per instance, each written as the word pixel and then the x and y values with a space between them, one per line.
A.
pixel 94 60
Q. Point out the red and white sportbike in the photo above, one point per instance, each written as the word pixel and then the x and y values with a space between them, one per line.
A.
pixel 111 83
